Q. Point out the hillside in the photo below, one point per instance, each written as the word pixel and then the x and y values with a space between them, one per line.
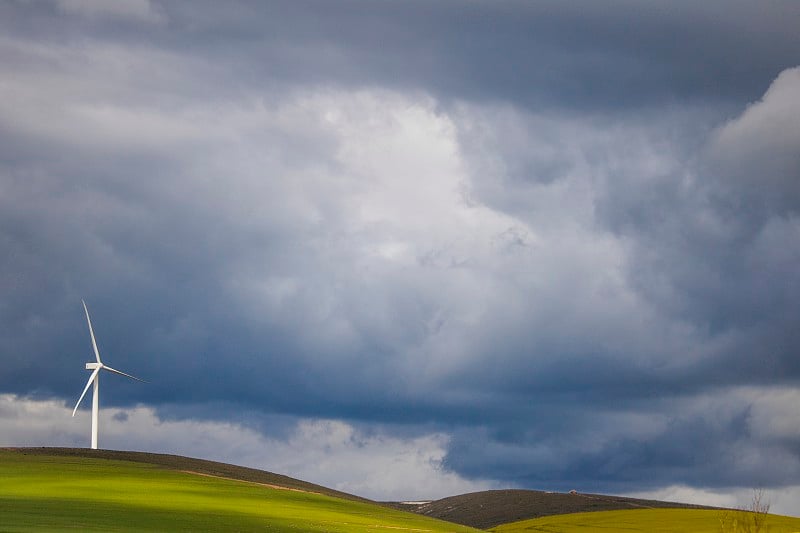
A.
pixel 487 509
pixel 83 490
pixel 198 466
pixel 62 467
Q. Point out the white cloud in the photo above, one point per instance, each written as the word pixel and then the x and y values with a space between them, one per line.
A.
pixel 331 453
pixel 771 121
pixel 782 501
pixel 760 149
pixel 774 414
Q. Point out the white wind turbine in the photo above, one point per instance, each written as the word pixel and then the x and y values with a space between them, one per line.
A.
pixel 95 378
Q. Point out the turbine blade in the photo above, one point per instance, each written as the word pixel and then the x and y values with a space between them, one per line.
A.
pixel 91 332
pixel 88 384
pixel 122 373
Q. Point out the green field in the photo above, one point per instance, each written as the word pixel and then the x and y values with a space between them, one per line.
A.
pixel 642 521
pixel 42 492
pixel 50 493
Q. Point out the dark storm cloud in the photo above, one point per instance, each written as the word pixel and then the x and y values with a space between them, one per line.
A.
pixel 555 232
pixel 722 238
pixel 713 442
pixel 581 55
pixel 712 246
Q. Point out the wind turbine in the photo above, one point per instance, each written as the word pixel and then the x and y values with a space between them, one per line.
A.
pixel 95 378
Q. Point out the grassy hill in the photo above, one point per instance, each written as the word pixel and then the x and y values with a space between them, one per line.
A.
pixel 642 521
pixel 189 464
pixel 490 508
pixel 60 489
pixel 85 490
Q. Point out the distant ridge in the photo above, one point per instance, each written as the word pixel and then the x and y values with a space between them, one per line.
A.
pixel 196 466
pixel 487 509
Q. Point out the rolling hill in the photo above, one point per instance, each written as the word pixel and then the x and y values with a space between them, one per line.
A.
pixel 188 464
pixel 491 508
pixel 59 489
pixel 88 490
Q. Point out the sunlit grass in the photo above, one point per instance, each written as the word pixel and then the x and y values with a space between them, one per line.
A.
pixel 44 493
pixel 640 520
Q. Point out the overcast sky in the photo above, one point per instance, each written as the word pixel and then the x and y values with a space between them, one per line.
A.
pixel 411 249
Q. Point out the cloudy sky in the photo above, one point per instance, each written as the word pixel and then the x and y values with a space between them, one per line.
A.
pixel 411 249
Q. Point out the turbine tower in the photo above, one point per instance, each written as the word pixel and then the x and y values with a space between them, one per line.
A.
pixel 95 379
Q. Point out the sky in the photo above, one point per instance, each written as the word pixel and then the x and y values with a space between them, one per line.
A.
pixel 410 249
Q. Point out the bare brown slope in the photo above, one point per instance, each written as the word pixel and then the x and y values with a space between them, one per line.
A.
pixel 197 466
pixel 487 509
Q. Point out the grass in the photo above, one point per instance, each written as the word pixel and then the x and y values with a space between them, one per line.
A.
pixel 640 520
pixel 50 493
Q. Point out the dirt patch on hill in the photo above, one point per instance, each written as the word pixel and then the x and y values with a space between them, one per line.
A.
pixel 268 485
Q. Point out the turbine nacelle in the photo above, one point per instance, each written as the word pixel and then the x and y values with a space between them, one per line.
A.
pixel 92 366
